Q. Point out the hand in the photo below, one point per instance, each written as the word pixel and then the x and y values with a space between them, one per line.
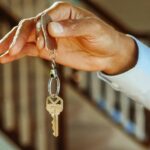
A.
pixel 84 41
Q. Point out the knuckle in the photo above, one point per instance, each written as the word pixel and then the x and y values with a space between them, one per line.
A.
pixel 62 4
pixel 23 21
pixel 95 23
pixel 15 27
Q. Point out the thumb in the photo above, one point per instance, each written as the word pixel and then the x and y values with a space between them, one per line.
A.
pixel 71 28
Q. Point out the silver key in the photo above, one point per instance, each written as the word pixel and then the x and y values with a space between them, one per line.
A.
pixel 54 106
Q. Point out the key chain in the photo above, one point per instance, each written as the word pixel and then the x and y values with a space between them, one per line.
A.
pixel 54 104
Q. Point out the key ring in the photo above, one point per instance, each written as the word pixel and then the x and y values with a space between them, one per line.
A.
pixel 50 45
pixel 51 84
pixel 54 79
pixel 49 41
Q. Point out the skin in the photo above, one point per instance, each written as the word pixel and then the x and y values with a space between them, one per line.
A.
pixel 84 41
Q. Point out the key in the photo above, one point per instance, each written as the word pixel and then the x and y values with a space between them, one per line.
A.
pixel 54 106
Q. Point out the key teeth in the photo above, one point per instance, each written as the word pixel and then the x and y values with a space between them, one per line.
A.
pixel 54 107
pixel 53 128
pixel 55 135
pixel 53 125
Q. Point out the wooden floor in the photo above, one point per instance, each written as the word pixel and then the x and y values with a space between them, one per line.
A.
pixel 88 129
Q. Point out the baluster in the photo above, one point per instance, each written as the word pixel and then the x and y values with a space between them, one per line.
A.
pixel 32 98
pixel 15 93
pixel 95 88
pixel 41 131
pixel 24 115
pixel 8 109
pixel 140 122
pixel 125 113
pixel 103 100
pixel 111 98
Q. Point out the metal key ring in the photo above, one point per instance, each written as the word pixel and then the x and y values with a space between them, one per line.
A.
pixel 50 85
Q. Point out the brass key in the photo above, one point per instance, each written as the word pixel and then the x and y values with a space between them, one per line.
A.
pixel 54 106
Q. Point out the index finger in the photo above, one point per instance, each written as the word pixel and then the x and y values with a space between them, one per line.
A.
pixel 6 40
pixel 22 35
pixel 60 11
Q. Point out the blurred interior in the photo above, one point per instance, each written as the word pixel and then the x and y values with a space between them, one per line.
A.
pixel 95 116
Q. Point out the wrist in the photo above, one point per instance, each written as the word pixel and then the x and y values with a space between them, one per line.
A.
pixel 126 58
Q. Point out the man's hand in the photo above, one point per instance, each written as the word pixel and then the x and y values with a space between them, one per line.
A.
pixel 84 41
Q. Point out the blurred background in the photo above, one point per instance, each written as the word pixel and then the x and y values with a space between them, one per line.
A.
pixel 95 116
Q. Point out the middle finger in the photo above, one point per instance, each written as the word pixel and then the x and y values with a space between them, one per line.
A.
pixel 22 35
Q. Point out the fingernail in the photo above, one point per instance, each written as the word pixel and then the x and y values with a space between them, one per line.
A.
pixel 56 27
pixel 40 42
pixel 13 42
